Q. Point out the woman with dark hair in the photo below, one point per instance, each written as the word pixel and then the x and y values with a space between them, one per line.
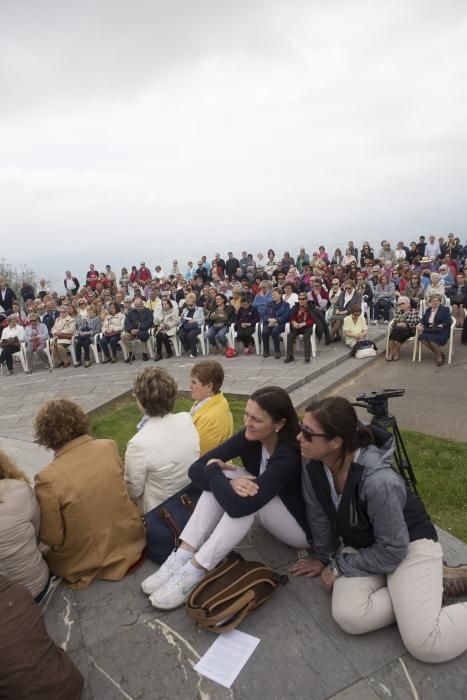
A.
pixel 247 318
pixel 87 518
pixel 266 489
pixel 219 321
pixel 366 254
pixel 390 568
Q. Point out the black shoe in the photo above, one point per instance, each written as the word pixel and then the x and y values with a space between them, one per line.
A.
pixel 265 354
pixel 277 356
pixel 128 360
pixel 145 357
pixel 307 360
pixel 158 358
pixel 107 359
pixel 289 358
pixel 78 364
pixel 169 355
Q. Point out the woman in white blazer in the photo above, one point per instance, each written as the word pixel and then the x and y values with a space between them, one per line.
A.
pixel 158 456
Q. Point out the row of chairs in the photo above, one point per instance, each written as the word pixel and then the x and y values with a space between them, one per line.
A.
pixel 417 348
pixel 151 344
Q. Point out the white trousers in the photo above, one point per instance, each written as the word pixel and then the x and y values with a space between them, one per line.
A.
pixel 410 596
pixel 213 534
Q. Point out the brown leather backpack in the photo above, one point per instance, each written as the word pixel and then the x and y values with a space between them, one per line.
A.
pixel 230 592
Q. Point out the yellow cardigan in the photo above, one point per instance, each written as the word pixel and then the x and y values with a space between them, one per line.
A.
pixel 214 423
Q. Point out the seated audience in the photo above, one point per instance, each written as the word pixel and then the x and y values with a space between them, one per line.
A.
pixel 87 518
pixel 219 322
pixel 277 315
pixel 404 326
pixel 62 333
pixel 87 327
pixel 36 337
pixel 10 343
pixel 20 558
pixel 138 323
pixel 31 664
pixel 112 327
pixel 384 298
pixel 435 327
pixel 191 324
pixel 301 324
pixel 158 456
pixel 266 489
pixel 355 327
pixel 210 412
pixel 458 297
pixel 245 325
pixel 347 298
pixel 435 287
pixel 166 321
pixel 380 558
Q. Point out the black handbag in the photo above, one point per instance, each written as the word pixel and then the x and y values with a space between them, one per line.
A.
pixel 165 522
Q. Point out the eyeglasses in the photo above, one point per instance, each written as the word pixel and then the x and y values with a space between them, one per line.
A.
pixel 309 434
pixel 303 298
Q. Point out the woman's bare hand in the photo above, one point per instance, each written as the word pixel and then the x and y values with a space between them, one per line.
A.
pixel 245 486
pixel 222 465
pixel 307 567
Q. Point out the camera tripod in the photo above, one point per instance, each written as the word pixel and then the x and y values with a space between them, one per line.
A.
pixel 377 406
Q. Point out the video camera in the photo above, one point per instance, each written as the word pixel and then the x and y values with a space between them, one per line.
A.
pixel 376 402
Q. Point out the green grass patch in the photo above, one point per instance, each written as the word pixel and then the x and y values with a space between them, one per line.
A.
pixel 439 464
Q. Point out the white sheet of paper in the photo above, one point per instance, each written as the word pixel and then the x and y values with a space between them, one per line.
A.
pixel 226 657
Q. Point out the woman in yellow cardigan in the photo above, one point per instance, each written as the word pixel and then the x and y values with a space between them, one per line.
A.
pixel 210 412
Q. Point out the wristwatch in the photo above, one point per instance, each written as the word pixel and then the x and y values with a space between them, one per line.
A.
pixel 334 568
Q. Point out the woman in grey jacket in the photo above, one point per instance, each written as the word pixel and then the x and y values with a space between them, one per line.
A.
pixel 375 547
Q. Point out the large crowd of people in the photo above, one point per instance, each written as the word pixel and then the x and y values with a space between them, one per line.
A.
pixel 245 297
pixel 325 485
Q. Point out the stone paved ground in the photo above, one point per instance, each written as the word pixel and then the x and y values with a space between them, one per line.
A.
pixel 125 649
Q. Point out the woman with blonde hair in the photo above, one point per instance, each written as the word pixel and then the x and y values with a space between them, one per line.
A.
pixel 20 558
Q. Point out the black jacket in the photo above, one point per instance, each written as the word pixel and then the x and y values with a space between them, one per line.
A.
pixel 280 478
pixel 7 297
pixel 141 320
pixel 231 266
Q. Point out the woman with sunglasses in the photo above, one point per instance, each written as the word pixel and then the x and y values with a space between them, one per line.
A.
pixel 389 567
pixel 267 490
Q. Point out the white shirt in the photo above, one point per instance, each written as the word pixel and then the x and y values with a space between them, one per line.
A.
pixel 16 332
pixel 158 457
pixel 291 300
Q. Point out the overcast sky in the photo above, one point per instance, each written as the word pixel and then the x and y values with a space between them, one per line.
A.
pixel 139 128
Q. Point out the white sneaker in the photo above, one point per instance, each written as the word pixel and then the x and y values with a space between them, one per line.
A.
pixel 373 322
pixel 175 592
pixel 169 568
pixel 386 323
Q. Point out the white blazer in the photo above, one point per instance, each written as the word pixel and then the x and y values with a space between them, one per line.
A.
pixel 158 457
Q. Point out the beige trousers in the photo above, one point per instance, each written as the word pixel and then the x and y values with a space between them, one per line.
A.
pixel 127 339
pixel 410 596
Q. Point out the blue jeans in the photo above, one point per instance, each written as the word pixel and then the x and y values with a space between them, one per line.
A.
pixel 274 332
pixel 217 336
pixel 113 341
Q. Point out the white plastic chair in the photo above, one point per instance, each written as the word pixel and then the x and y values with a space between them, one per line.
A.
pixel 93 347
pixel 256 337
pixel 418 344
pixel 300 337
pixel 47 351
pixel 177 346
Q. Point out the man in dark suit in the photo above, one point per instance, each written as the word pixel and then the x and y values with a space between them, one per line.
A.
pixel 7 296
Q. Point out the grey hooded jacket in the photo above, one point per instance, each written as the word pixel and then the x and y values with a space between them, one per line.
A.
pixel 384 494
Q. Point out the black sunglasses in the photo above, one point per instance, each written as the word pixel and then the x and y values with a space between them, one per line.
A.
pixel 309 434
